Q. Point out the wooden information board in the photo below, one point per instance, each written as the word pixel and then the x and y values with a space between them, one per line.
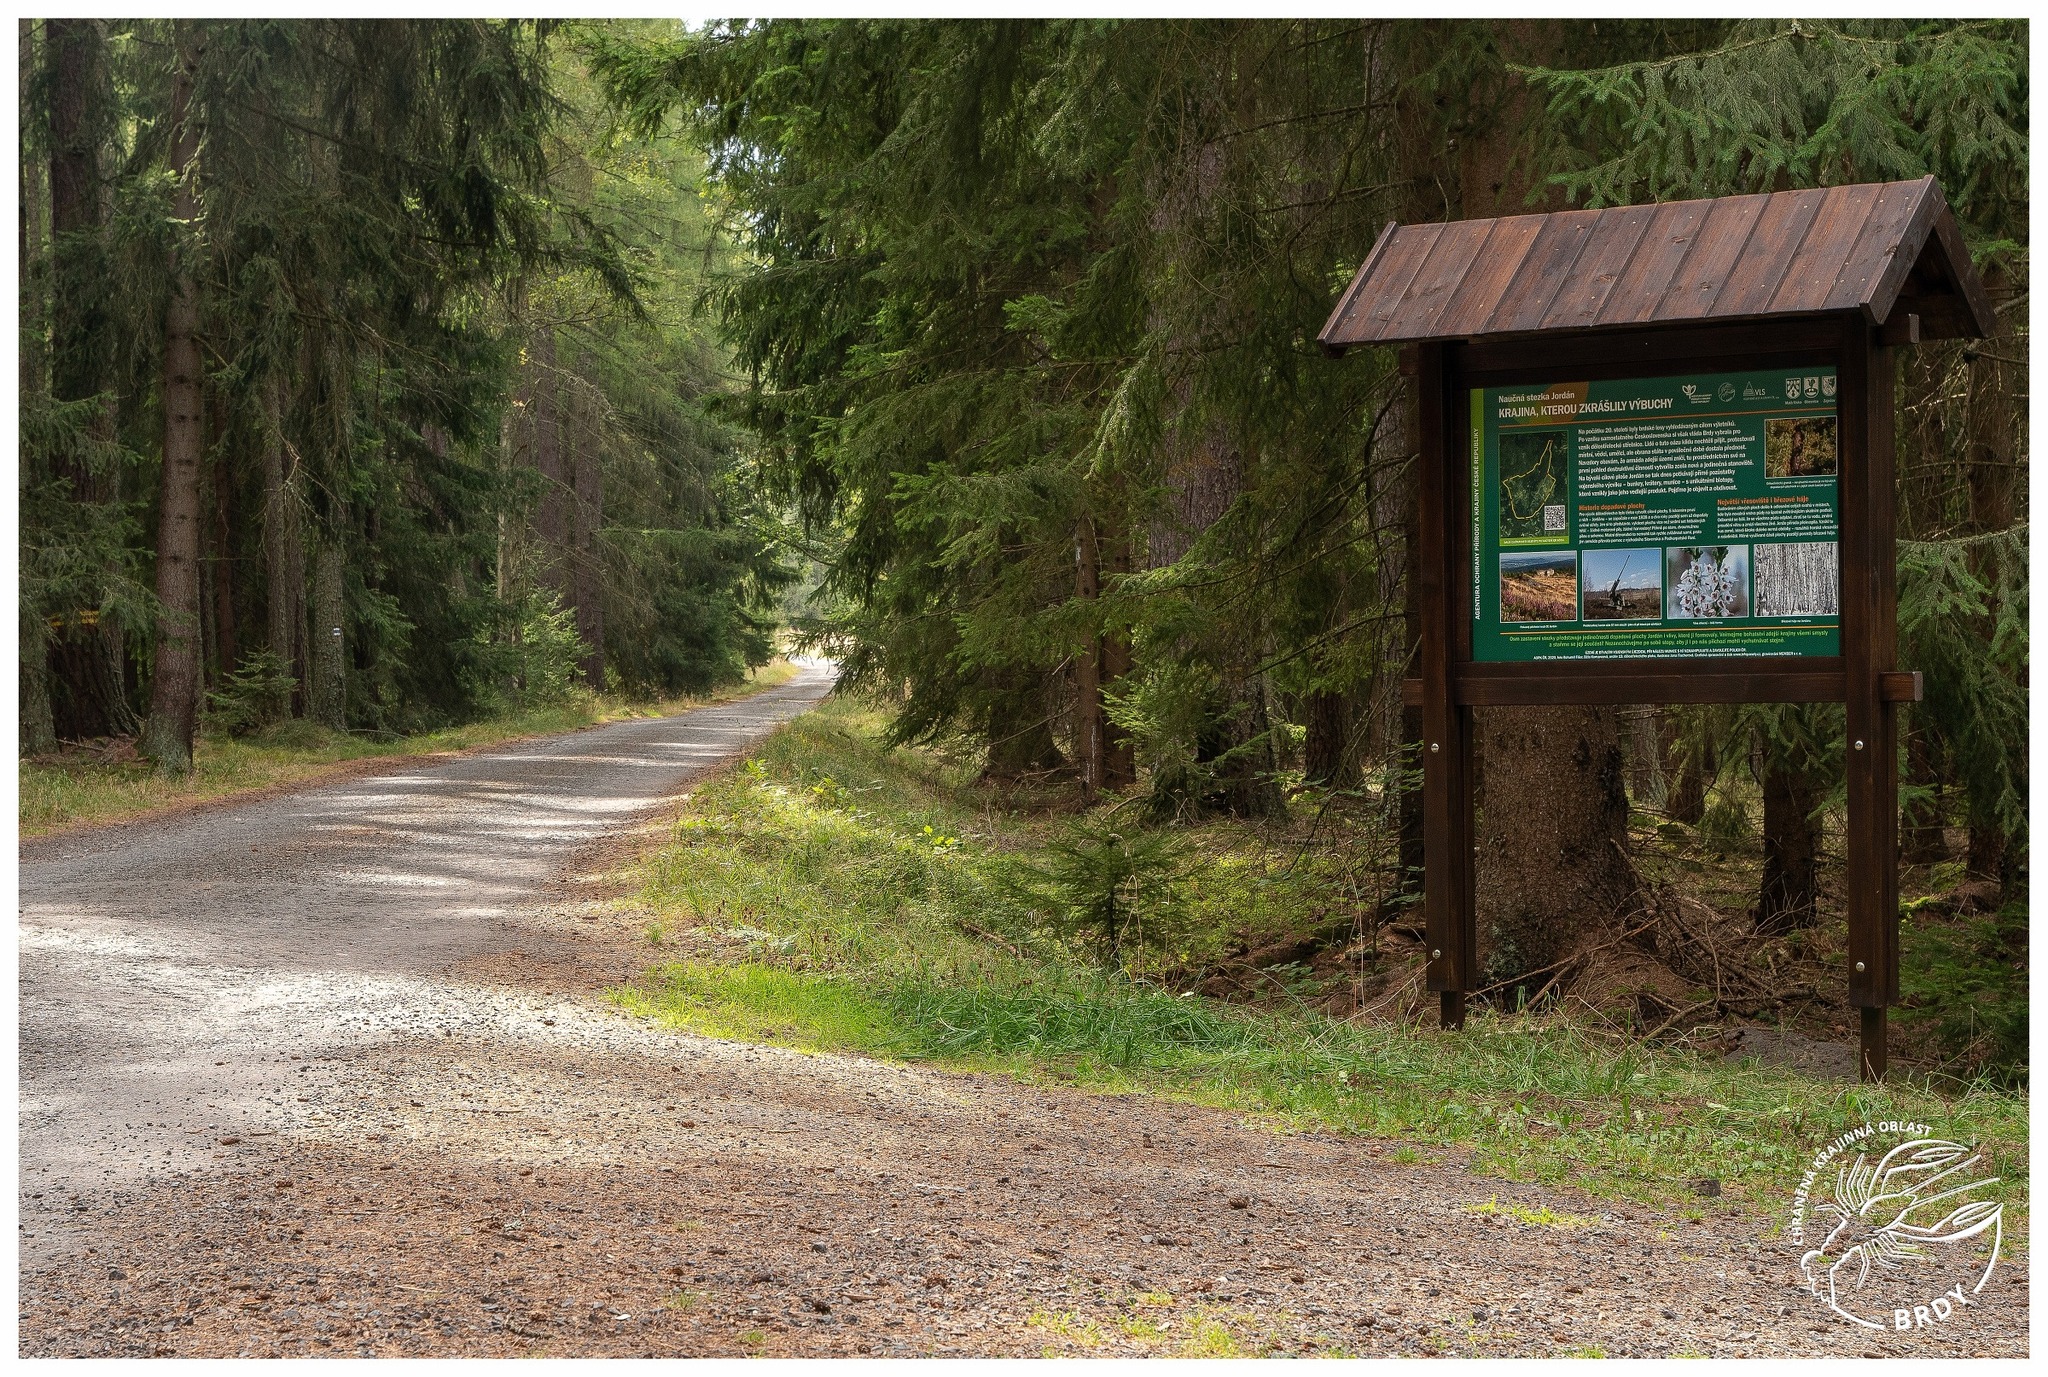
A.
pixel 1656 466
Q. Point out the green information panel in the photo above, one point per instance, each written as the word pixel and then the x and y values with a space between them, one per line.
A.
pixel 1656 518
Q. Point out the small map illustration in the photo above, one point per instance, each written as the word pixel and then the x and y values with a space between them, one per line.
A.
pixel 1532 484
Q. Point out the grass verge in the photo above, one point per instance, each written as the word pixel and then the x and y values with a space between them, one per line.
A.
pixel 835 896
pixel 82 788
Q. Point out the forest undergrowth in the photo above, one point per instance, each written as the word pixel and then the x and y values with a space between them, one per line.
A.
pixel 835 895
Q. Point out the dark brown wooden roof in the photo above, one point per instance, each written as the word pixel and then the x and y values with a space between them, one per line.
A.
pixel 1873 248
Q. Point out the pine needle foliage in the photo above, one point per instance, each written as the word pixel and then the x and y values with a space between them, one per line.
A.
pixel 387 210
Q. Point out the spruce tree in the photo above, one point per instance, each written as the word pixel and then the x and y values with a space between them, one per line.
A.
pixel 1768 104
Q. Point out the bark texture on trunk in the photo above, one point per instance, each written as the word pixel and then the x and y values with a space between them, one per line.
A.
pixel 227 649
pixel 1646 781
pixel 1103 755
pixel 1553 836
pixel 1113 661
pixel 587 488
pixel 1329 754
pixel 1787 898
pixel 544 417
pixel 38 723
pixel 89 665
pixel 1689 772
pixel 284 561
pixel 1091 728
pixel 174 682
pixel 328 699
pixel 78 324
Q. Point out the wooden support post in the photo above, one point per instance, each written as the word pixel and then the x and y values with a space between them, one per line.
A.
pixel 1447 880
pixel 1869 653
pixel 1871 1044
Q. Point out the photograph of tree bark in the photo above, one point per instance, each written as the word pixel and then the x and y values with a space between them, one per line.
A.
pixel 737 688
pixel 1800 579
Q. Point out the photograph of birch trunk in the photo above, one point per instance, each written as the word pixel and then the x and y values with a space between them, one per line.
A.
pixel 1800 579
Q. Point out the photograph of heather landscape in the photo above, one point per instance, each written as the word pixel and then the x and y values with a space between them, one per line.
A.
pixel 1623 585
pixel 1798 580
pixel 1532 477
pixel 1539 587
pixel 1802 448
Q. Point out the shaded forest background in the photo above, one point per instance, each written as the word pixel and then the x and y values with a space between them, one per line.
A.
pixel 383 374
pixel 359 385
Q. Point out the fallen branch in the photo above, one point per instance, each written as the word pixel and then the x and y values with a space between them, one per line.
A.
pixel 973 929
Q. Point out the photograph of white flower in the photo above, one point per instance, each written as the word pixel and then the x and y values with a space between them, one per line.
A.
pixel 1703 582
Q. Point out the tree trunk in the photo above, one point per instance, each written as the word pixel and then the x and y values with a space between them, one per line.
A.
pixel 1646 782
pixel 225 645
pixel 1106 758
pixel 1240 745
pixel 78 324
pixel 587 480
pixel 91 667
pixel 1553 829
pixel 1091 728
pixel 328 699
pixel 1018 730
pixel 29 211
pixel 1113 654
pixel 284 564
pixel 174 682
pixel 1329 755
pixel 1686 799
pixel 38 726
pixel 1791 880
pixel 1553 836
pixel 551 519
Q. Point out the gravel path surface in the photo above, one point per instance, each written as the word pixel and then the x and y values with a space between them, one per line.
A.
pixel 333 1074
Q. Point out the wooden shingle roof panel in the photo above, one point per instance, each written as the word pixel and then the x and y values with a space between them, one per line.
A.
pixel 1559 242
pixel 1722 238
pixel 1608 251
pixel 1809 281
pixel 1882 240
pixel 1399 267
pixel 1506 249
pixel 1449 260
pixel 1849 248
pixel 1781 231
pixel 1665 245
pixel 1340 314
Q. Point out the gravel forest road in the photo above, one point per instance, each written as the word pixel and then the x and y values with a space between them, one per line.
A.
pixel 333 1073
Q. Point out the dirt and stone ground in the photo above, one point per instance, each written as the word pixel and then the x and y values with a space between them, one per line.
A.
pixel 333 1073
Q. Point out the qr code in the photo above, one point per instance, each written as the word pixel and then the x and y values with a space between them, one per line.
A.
pixel 1553 517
